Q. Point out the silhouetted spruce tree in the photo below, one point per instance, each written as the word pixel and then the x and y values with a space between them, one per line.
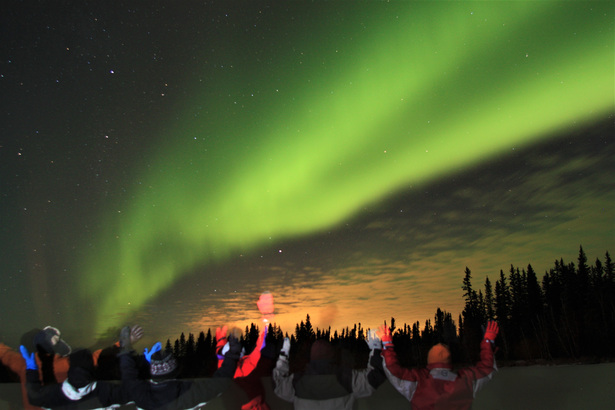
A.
pixel 176 349
pixel 360 333
pixel 538 323
pixel 489 303
pixel 534 293
pixel 583 276
pixel 427 340
pixel 553 289
pixel 502 300
pixel 181 352
pixel 298 330
pixel 502 312
pixel 471 332
pixel 609 269
pixel 589 309
pixel 481 311
pixel 428 333
pixel 309 330
pixel 205 355
pixel 250 338
pixel 438 326
pixel 190 364
pixel 571 305
pixel 609 308
pixel 190 345
pixel 517 300
pixel 414 348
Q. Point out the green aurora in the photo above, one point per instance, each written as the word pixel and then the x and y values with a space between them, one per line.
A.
pixel 386 98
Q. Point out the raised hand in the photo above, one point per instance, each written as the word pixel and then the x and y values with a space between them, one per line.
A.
pixel 29 358
pixel 492 331
pixel 373 340
pixel 136 333
pixel 385 335
pixel 155 348
pixel 285 347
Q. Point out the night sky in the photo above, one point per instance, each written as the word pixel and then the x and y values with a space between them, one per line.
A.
pixel 166 162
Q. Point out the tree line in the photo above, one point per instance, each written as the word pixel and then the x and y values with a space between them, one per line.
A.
pixel 568 314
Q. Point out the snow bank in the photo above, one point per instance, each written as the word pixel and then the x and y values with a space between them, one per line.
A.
pixel 531 387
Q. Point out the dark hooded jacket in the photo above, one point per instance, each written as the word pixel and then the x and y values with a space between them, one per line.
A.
pixel 324 384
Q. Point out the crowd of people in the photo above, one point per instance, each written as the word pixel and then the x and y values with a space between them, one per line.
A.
pixel 55 376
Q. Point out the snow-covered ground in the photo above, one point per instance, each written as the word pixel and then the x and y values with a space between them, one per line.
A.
pixel 550 387
pixel 532 387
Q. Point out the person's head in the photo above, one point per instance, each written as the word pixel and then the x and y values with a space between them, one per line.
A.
pixel 48 341
pixel 81 370
pixel 439 356
pixel 322 350
pixel 80 379
pixel 163 366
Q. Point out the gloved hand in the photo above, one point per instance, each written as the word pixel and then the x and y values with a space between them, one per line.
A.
pixel 285 347
pixel 385 335
pixel 29 358
pixel 492 331
pixel 234 348
pixel 265 306
pixel 155 348
pixel 373 341
pixel 136 333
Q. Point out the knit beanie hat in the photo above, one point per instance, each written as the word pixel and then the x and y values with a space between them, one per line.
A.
pixel 163 365
pixel 81 370
pixel 439 354
pixel 322 350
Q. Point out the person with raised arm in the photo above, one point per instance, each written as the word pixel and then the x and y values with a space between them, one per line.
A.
pixel 437 386
pixel 164 390
pixel 325 384
pixel 50 354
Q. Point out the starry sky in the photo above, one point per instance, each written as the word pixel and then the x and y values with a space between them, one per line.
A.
pixel 166 163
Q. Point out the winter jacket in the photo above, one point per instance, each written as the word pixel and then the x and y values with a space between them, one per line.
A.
pixel 174 394
pixel 326 386
pixel 247 363
pixel 250 369
pixel 15 361
pixel 440 387
pixel 252 384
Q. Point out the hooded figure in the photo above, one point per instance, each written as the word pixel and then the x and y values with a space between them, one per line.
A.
pixel 324 384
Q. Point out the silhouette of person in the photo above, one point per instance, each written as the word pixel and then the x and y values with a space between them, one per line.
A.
pixel 438 386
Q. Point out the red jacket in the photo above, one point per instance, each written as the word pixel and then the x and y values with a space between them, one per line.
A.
pixel 440 387
pixel 248 378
